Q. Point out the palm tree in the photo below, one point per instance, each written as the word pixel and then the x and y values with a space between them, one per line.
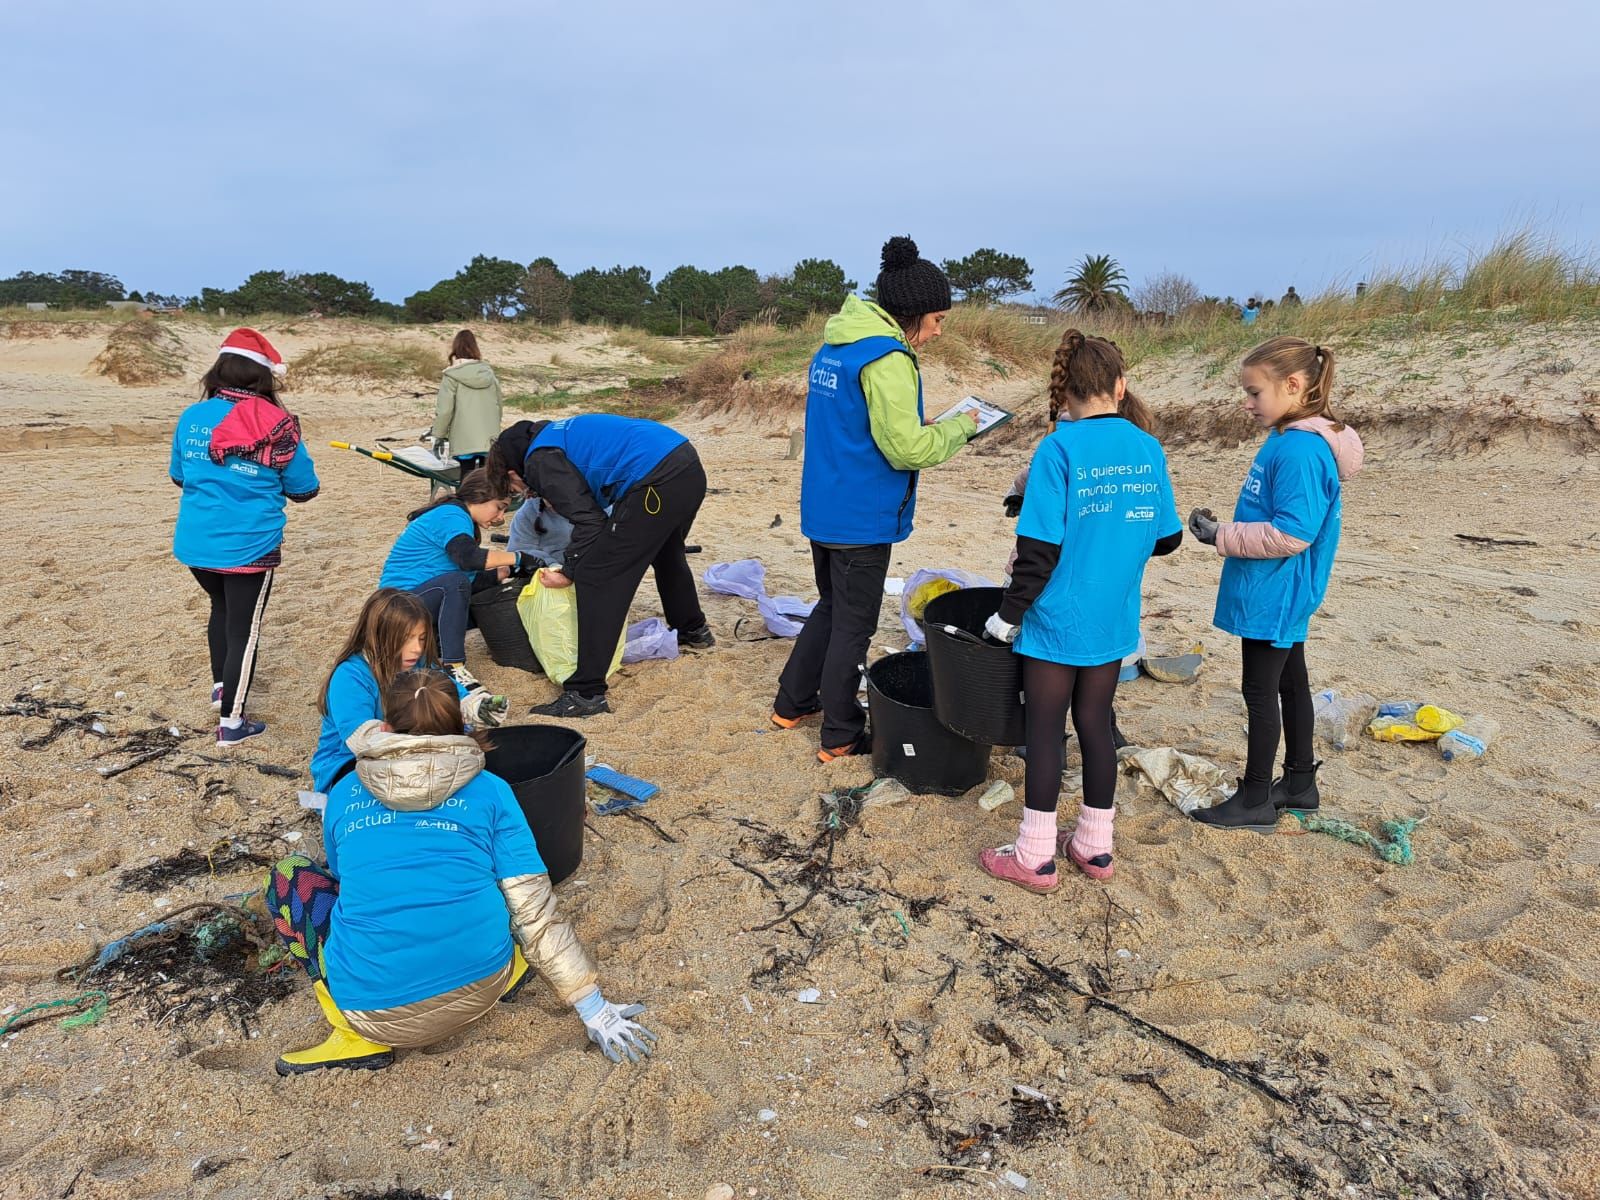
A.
pixel 1098 285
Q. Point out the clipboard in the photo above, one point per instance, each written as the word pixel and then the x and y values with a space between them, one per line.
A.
pixel 988 416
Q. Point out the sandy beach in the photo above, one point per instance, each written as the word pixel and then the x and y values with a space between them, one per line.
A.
pixel 1372 1030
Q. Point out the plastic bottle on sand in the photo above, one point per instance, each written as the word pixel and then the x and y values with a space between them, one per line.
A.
pixel 1339 719
pixel 1470 740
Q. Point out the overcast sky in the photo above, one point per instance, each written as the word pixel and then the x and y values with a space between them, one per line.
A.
pixel 1247 146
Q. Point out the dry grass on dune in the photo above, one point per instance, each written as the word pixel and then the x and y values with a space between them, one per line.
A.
pixel 141 351
pixel 369 364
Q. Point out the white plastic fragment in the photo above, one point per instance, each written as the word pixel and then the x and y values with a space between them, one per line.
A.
pixel 767 1114
pixel 997 793
pixel 809 995
pixel 1020 1182
pixel 1030 1093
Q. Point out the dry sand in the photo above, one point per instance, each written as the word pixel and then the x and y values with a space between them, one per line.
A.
pixel 1432 1026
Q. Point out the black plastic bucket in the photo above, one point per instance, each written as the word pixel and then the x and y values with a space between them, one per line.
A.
pixel 494 612
pixel 908 743
pixel 977 685
pixel 544 766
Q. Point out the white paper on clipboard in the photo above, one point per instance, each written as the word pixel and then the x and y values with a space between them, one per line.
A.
pixel 985 414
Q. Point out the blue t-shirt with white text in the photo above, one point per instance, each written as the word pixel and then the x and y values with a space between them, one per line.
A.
pixel 353 700
pixel 1099 489
pixel 420 911
pixel 231 513
pixel 1294 484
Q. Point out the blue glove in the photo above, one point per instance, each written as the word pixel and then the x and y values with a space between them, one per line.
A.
pixel 613 1029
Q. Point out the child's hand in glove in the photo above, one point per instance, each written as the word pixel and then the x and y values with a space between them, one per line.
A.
pixel 478 707
pixel 1000 630
pixel 1203 524
pixel 1013 504
pixel 613 1029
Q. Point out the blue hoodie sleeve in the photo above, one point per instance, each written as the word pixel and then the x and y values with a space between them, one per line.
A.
pixel 300 482
pixel 514 850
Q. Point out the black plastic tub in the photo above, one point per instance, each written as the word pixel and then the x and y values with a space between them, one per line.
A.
pixel 908 743
pixel 494 612
pixel 977 684
pixel 544 766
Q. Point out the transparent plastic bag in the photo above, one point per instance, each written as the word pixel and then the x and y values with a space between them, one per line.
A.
pixel 928 584
pixel 784 616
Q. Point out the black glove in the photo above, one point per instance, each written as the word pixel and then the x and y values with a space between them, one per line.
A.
pixel 1203 524
pixel 1013 504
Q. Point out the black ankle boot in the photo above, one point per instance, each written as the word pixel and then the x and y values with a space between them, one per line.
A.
pixel 1296 789
pixel 1250 807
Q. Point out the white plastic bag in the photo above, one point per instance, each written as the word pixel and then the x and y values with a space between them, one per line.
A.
pixel 784 616
pixel 915 595
pixel 649 638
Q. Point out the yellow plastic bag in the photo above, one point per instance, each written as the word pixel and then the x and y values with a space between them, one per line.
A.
pixel 550 615
pixel 1398 729
pixel 1438 720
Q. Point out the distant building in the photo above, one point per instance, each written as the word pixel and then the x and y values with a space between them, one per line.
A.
pixel 37 306
pixel 136 305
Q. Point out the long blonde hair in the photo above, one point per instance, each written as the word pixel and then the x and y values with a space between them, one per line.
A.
pixel 1283 356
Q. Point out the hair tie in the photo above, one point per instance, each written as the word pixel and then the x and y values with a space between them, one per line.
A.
pixel 1319 351
pixel 419 691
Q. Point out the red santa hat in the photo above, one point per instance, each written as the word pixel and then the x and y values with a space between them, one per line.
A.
pixel 251 345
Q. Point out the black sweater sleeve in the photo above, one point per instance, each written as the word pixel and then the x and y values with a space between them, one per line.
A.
pixel 1167 544
pixel 553 478
pixel 1035 561
pixel 465 552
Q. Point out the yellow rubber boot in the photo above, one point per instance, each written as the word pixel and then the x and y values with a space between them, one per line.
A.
pixel 520 971
pixel 344 1047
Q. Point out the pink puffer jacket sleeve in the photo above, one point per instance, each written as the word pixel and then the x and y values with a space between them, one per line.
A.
pixel 1256 539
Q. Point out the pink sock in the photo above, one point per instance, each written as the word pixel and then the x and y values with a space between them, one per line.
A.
pixel 1036 843
pixel 1093 834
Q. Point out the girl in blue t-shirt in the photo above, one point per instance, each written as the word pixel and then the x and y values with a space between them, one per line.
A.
pixel 438 554
pixel 1279 551
pixel 1098 505
pixel 238 456
pixel 435 901
pixel 392 635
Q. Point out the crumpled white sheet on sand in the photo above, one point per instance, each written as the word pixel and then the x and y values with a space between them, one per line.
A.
pixel 1187 780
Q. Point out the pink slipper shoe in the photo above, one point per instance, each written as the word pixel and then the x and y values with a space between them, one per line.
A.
pixel 1002 863
pixel 1098 867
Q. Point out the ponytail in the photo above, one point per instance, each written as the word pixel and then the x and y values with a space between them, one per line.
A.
pixel 424 702
pixel 1134 410
pixel 1084 367
pixel 1281 357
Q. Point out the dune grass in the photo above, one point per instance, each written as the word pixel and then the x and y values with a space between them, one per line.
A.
pixel 373 364
pixel 141 351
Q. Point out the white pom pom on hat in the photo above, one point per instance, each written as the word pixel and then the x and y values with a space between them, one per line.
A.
pixel 252 345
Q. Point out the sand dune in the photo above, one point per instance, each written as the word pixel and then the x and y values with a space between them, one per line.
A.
pixel 1431 1029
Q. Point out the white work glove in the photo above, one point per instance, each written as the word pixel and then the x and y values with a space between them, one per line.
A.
pixel 613 1029
pixel 999 630
pixel 478 707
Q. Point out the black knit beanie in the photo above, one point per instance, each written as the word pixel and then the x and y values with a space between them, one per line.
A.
pixel 910 285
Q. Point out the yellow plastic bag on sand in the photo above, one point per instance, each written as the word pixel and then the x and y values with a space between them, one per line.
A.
pixel 1438 720
pixel 1429 725
pixel 1398 729
pixel 550 615
pixel 917 601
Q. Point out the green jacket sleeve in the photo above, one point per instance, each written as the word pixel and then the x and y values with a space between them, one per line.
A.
pixel 890 385
pixel 444 413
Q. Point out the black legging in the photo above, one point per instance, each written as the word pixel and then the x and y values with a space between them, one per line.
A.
pixel 1275 676
pixel 1052 690
pixel 233 632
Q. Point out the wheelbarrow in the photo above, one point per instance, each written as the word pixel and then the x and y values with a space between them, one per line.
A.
pixel 439 479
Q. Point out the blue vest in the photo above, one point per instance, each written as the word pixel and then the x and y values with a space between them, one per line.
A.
pixel 849 494
pixel 612 453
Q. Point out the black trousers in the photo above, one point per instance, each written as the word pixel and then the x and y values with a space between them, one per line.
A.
pixel 233 632
pixel 647 530
pixel 824 668
pixel 1275 681
pixel 1054 689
